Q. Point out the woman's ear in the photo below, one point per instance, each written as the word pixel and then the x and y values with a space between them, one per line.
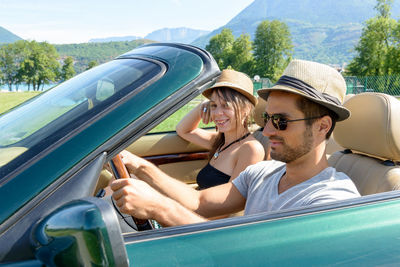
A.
pixel 247 111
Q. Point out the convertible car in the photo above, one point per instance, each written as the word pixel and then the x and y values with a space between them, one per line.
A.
pixel 55 209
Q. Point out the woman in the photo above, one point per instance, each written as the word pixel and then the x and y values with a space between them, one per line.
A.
pixel 232 148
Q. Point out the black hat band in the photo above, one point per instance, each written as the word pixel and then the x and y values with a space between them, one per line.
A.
pixel 308 89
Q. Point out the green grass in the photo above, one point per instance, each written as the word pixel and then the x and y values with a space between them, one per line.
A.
pixel 9 100
pixel 170 123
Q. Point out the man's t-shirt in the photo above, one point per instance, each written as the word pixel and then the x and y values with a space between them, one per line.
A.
pixel 259 185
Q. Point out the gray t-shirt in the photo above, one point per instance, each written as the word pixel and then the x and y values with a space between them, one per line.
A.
pixel 259 185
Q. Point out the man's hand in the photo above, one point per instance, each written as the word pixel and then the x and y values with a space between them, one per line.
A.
pixel 132 162
pixel 136 198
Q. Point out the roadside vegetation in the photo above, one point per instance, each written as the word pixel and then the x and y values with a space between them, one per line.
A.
pixel 87 54
pixel 37 64
pixel 267 56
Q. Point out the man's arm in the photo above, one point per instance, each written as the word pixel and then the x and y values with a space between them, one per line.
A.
pixel 138 199
pixel 159 180
pixel 219 200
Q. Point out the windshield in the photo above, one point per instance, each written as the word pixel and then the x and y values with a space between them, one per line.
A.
pixel 42 121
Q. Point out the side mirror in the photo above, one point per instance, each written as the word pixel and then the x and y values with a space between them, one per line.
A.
pixel 83 232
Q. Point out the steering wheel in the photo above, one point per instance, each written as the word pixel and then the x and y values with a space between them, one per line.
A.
pixel 120 172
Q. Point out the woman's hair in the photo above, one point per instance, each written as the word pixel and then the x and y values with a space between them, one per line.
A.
pixel 239 103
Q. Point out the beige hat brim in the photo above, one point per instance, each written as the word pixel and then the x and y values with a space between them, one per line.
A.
pixel 207 93
pixel 342 112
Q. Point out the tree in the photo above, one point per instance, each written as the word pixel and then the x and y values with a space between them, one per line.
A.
pixel 11 57
pixel 273 49
pixel 394 52
pixel 92 64
pixel 67 70
pixel 375 50
pixel 220 47
pixel 1 78
pixel 240 55
pixel 40 66
pixel 8 69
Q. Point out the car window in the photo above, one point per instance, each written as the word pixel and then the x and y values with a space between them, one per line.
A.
pixel 169 124
pixel 44 119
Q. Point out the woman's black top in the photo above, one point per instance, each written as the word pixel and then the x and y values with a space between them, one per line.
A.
pixel 210 176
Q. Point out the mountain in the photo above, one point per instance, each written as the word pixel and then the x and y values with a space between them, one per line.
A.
pixel 325 31
pixel 99 52
pixel 115 39
pixel 177 35
pixel 7 36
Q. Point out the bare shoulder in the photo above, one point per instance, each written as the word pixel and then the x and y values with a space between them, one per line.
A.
pixel 251 148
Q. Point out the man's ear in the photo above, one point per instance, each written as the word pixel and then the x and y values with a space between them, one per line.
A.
pixel 324 125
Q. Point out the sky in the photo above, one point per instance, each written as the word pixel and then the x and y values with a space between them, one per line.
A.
pixel 78 21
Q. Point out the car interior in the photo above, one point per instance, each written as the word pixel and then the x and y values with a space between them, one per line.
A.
pixel 177 157
pixel 365 146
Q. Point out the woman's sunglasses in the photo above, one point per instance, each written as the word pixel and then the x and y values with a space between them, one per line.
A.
pixel 280 122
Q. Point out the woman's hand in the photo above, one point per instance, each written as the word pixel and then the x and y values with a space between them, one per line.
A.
pixel 205 112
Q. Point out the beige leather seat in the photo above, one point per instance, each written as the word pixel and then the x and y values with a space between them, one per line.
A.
pixel 371 137
pixel 332 146
pixel 259 120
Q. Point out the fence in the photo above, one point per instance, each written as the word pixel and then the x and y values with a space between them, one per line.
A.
pixel 261 83
pixel 389 84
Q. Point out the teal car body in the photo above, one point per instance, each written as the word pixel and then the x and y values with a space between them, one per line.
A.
pixel 48 174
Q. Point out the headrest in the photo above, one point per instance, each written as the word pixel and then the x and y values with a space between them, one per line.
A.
pixel 373 127
pixel 347 97
pixel 259 110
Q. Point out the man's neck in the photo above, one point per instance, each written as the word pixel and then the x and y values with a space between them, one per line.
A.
pixel 303 168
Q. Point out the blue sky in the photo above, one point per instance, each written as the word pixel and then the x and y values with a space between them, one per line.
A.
pixel 77 21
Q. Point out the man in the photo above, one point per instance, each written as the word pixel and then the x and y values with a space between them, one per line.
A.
pixel 301 112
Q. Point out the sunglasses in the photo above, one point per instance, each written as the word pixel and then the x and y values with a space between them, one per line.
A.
pixel 280 122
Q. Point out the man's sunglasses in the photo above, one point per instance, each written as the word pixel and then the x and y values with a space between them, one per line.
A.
pixel 280 122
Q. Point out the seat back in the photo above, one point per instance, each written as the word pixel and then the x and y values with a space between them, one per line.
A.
pixel 371 138
pixel 331 145
pixel 259 120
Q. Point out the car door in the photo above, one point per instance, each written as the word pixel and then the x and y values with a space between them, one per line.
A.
pixel 357 232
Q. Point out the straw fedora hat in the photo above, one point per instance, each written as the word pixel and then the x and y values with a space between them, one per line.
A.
pixel 235 80
pixel 317 82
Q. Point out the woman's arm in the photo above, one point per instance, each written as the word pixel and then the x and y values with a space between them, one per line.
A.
pixel 188 129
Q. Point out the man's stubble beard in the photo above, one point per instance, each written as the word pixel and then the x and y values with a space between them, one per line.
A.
pixel 289 154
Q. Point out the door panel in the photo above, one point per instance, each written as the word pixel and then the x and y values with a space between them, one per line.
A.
pixel 358 235
pixel 172 154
